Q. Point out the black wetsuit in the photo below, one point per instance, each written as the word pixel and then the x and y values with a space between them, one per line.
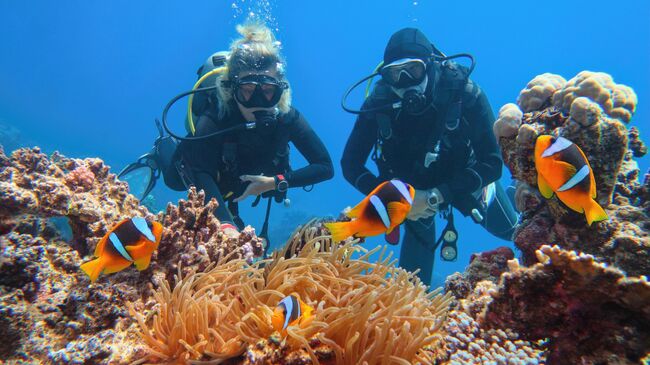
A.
pixel 216 163
pixel 461 169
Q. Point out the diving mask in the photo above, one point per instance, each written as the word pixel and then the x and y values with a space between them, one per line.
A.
pixel 404 73
pixel 257 91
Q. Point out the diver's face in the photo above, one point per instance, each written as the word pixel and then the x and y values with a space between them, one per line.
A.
pixel 246 90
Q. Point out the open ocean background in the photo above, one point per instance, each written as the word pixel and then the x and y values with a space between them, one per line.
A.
pixel 87 78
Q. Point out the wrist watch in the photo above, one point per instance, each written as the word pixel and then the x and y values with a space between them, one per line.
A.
pixel 281 184
pixel 434 199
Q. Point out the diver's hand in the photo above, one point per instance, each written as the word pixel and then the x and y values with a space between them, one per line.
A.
pixel 259 184
pixel 425 204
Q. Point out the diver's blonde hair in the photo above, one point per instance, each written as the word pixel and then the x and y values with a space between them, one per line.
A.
pixel 255 50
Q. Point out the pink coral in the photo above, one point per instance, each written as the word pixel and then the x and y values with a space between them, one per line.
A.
pixel 80 178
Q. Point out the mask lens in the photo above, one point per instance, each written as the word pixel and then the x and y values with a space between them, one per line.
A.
pixel 415 69
pixel 404 73
pixel 269 90
pixel 258 91
pixel 245 90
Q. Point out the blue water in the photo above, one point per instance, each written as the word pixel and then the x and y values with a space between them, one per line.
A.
pixel 87 78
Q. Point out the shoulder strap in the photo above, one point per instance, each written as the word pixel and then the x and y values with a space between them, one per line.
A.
pixel 453 81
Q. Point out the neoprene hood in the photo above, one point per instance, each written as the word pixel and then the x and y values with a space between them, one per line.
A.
pixel 408 43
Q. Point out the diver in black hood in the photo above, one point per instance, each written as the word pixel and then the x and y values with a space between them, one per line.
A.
pixel 427 124
pixel 239 146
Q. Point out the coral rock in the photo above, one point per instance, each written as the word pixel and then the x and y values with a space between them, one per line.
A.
pixel 569 297
pixel 618 101
pixel 488 265
pixel 49 311
pixel 539 91
pixel 466 343
pixel 636 145
pixel 508 121
pixel 585 111
pixel 84 191
pixel 192 239
pixel 50 314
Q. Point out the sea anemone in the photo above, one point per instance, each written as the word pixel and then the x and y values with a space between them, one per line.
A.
pixel 365 311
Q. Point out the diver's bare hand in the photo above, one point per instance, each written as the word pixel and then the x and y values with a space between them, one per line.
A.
pixel 259 184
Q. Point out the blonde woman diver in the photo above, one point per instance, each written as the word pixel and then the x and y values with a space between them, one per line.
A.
pixel 249 161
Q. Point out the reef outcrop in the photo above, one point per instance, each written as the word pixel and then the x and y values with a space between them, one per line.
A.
pixel 576 280
pixel 589 312
pixel 50 311
pixel 592 111
pixel 84 191
pixel 488 265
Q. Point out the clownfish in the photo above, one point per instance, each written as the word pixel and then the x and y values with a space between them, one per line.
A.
pixel 131 241
pixel 563 169
pixel 290 311
pixel 381 211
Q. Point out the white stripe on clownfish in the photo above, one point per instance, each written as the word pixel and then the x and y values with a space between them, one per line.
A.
pixel 119 246
pixel 560 144
pixel 141 224
pixel 381 210
pixel 575 179
pixel 403 189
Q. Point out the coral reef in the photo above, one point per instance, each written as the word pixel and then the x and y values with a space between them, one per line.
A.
pixel 50 312
pixel 618 101
pixel 364 312
pixel 84 191
pixel 590 110
pixel 193 240
pixel 538 92
pixel 465 342
pixel 508 122
pixel 488 265
pixel 568 298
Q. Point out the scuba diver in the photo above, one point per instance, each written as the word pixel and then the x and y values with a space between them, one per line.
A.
pixel 239 146
pixel 427 124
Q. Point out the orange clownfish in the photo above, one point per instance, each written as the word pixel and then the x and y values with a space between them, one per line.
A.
pixel 131 241
pixel 291 311
pixel 563 169
pixel 381 211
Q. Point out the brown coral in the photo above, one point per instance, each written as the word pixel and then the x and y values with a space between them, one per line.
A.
pixel 50 312
pixel 363 311
pixel 539 91
pixel 568 298
pixel 488 265
pixel 463 341
pixel 32 183
pixel 192 238
pixel 618 101
pixel 583 113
